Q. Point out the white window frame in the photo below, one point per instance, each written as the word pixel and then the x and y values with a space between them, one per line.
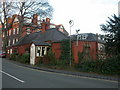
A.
pixel 14 31
pixel 41 53
pixel 10 51
pixel 16 39
pixel 9 32
pixel 9 43
pixel 13 41
pixel 3 35
pixel 17 30
pixel 2 43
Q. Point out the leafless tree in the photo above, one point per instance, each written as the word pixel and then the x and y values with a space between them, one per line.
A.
pixel 24 8
pixel 5 11
pixel 30 7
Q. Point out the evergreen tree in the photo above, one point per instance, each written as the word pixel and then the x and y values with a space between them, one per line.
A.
pixel 112 35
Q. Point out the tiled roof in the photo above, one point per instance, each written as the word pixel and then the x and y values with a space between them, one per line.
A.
pixel 87 37
pixel 41 37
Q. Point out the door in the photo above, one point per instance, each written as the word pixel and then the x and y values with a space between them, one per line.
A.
pixel 32 54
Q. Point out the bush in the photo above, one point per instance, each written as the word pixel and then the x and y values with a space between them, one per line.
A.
pixel 111 66
pixel 13 56
pixel 62 63
pixel 108 66
pixel 51 58
pixel 25 58
pixel 80 57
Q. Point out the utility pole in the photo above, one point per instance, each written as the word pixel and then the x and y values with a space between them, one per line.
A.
pixel 77 37
pixel 71 22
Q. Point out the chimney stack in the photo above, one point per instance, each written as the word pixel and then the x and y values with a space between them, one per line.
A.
pixel 47 23
pixel 43 24
pixel 35 19
pixel 9 20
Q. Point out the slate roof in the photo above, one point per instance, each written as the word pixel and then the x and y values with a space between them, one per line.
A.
pixel 88 37
pixel 40 38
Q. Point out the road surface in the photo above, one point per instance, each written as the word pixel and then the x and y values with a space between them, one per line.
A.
pixel 15 76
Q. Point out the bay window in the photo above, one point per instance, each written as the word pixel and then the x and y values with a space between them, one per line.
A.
pixel 41 51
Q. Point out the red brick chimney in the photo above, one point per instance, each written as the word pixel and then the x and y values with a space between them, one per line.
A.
pixel 43 25
pixel 15 15
pixel 35 19
pixel 47 23
pixel 9 20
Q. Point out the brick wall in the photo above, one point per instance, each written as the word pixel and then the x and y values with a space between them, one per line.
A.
pixel 80 48
pixel 22 48
pixel 76 49
pixel 56 50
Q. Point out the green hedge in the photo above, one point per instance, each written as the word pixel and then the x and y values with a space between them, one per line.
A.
pixel 108 66
pixel 13 56
pixel 25 58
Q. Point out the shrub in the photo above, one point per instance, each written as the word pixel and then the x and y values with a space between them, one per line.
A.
pixel 65 50
pixel 108 66
pixel 111 66
pixel 25 58
pixel 13 56
pixel 62 63
pixel 80 57
pixel 51 58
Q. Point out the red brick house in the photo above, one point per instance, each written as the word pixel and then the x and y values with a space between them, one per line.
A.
pixel 39 36
pixel 30 25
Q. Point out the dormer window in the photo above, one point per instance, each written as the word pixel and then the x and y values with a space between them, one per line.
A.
pixel 83 37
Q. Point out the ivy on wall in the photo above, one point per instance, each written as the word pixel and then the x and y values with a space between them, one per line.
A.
pixel 65 50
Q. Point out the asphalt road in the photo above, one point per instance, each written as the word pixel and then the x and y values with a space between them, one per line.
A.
pixel 15 76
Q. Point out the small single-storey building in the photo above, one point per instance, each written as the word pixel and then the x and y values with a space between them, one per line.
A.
pixel 38 43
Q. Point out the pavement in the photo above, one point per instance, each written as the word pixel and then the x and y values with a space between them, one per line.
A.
pixel 68 72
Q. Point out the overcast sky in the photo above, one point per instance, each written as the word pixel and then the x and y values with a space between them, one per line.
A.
pixel 86 14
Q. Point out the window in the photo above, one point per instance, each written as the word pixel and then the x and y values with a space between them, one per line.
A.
pixel 17 30
pixel 79 37
pixel 41 51
pixel 38 51
pixel 9 32
pixel 16 39
pixel 3 34
pixel 2 43
pixel 8 51
pixel 13 41
pixel 9 43
pixel 83 37
pixel 14 31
